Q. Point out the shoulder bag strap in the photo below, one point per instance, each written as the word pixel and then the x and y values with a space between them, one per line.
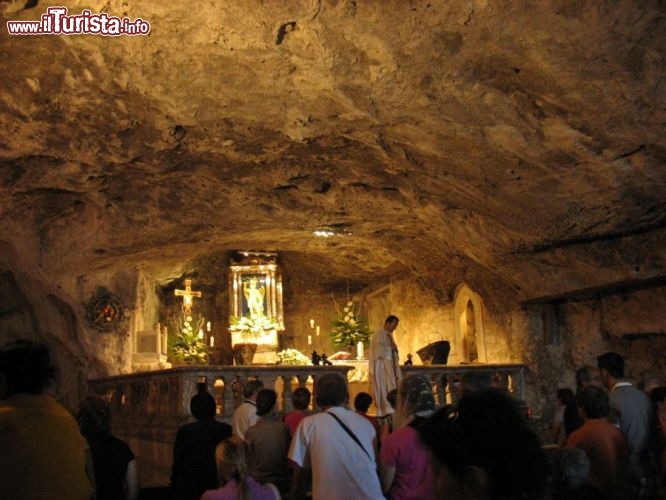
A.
pixel 351 434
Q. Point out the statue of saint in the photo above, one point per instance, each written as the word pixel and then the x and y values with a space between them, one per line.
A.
pixel 254 297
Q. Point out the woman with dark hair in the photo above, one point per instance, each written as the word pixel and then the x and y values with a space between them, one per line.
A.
pixel 484 450
pixel 300 399
pixel 268 442
pixel 113 461
pixel 405 471
pixel 193 470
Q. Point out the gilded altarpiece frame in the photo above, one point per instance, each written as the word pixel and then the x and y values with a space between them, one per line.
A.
pixel 255 291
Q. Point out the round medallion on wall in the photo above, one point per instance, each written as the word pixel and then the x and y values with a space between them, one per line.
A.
pixel 105 312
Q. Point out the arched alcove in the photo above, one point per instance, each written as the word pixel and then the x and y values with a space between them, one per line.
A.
pixel 468 319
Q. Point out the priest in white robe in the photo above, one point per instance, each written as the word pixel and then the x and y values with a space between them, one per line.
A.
pixel 384 366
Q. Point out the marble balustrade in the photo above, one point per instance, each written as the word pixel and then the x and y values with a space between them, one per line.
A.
pixel 148 407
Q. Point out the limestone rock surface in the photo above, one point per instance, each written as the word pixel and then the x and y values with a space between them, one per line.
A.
pixel 517 146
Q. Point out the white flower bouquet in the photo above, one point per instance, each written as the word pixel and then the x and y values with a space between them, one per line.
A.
pixel 349 328
pixel 292 357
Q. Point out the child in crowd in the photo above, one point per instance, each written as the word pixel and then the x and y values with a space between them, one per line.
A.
pixel 362 402
pixel 232 457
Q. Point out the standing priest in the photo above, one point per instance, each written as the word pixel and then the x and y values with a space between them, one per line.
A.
pixel 384 367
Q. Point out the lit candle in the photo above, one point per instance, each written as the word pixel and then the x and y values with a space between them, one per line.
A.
pixel 208 326
pixel 309 339
pixel 359 350
pixel 317 330
pixel 165 335
pixel 311 323
pixel 212 341
pixel 201 334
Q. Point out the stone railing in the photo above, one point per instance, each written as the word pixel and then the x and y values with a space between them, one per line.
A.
pixel 445 378
pixel 147 408
pixel 168 392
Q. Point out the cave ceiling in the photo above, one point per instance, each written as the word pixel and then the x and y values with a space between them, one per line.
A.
pixel 514 145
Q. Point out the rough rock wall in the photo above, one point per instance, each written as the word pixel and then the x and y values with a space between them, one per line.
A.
pixel 29 311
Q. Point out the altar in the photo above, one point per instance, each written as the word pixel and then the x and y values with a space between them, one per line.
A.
pixel 211 349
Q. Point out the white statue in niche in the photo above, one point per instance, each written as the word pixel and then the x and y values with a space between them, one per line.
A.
pixel 254 297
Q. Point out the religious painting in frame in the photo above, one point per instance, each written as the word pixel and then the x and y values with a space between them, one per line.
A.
pixel 255 294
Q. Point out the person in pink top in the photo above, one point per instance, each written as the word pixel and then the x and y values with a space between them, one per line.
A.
pixel 404 467
pixel 301 400
pixel 232 459
pixel 604 444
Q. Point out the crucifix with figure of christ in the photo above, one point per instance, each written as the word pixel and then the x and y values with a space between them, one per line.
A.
pixel 187 295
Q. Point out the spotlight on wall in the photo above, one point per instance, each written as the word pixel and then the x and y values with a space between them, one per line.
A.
pixel 332 230
pixel 322 233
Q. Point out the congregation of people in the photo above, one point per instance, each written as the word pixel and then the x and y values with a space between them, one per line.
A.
pixel 608 441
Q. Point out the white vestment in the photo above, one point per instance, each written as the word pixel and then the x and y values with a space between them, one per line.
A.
pixel 384 370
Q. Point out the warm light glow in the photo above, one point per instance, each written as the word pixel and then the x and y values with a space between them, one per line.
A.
pixel 219 384
pixel 187 295
pixel 323 234
pixel 311 323
pixel 267 338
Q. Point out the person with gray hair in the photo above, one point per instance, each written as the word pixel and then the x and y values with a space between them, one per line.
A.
pixel 338 445
pixel 571 469
pixel 404 468
pixel 245 416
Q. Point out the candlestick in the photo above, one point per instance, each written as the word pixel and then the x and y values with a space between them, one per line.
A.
pixel 309 339
pixel 212 341
pixel 317 330
pixel 208 326
pixel 359 350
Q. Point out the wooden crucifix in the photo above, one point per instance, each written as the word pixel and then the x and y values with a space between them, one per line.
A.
pixel 187 295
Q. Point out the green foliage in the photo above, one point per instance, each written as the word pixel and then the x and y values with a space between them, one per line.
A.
pixel 349 328
pixel 186 344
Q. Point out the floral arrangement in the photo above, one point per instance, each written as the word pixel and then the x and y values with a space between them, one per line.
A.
pixel 188 344
pixel 349 328
pixel 253 324
pixel 292 357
